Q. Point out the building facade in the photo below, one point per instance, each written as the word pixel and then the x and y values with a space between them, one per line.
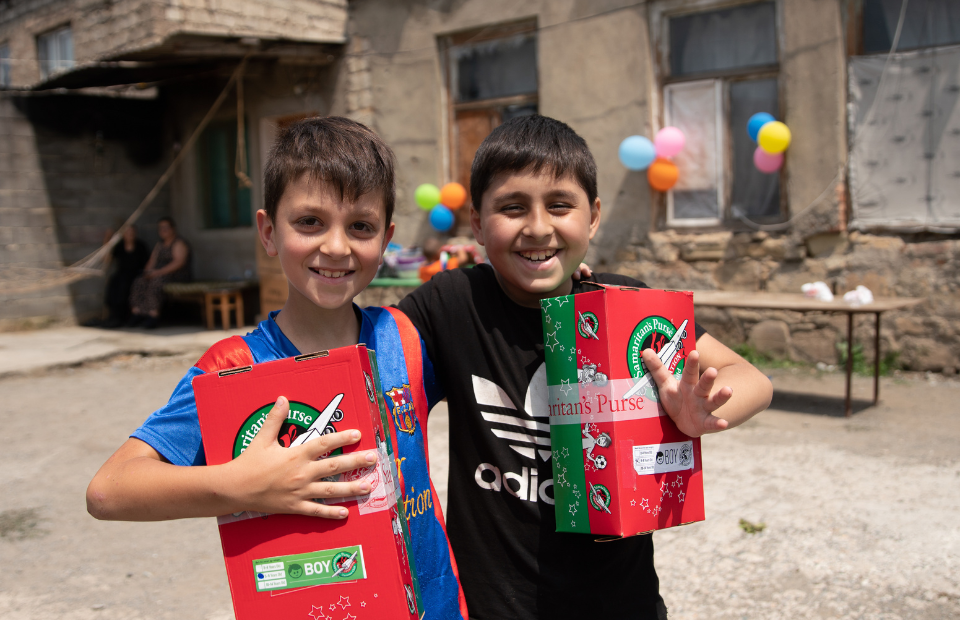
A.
pixel 866 194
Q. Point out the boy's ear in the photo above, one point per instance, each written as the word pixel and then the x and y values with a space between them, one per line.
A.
pixel 595 217
pixel 475 224
pixel 266 231
pixel 386 239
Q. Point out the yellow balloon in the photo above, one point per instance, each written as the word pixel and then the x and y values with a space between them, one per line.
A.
pixel 774 137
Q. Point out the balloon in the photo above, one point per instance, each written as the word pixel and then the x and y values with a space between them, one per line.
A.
pixel 662 174
pixel 765 162
pixel 441 218
pixel 637 152
pixel 757 121
pixel 669 141
pixel 774 137
pixel 453 195
pixel 427 196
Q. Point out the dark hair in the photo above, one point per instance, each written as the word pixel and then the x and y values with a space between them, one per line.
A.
pixel 335 150
pixel 533 143
pixel 168 220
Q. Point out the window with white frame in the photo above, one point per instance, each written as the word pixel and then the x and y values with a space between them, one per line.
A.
pixel 55 51
pixel 721 67
pixel 4 65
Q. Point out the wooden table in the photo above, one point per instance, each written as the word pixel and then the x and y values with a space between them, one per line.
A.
pixel 802 303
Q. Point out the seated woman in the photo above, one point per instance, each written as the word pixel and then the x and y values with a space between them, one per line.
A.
pixel 169 262
pixel 129 257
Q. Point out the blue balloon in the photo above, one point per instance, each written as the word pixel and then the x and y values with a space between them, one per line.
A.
pixel 757 121
pixel 441 218
pixel 637 152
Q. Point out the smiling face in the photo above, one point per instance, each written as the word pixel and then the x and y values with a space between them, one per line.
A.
pixel 329 248
pixel 536 229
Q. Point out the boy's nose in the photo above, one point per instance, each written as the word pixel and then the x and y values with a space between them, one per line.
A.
pixel 335 244
pixel 538 224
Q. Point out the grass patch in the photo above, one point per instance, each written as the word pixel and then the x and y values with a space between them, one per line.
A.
pixel 759 359
pixel 751 528
pixel 864 366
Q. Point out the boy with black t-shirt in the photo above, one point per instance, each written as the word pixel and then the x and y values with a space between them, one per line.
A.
pixel 534 191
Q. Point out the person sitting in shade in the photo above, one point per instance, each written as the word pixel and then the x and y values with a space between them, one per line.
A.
pixel 128 257
pixel 169 262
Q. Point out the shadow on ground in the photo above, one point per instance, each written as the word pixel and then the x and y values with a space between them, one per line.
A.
pixel 816 404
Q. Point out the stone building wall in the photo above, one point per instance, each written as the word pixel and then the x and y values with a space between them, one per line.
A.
pixel 110 30
pixel 27 225
pixel 925 337
pixel 78 166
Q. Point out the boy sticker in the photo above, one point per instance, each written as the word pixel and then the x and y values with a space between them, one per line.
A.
pixel 401 404
pixel 659 334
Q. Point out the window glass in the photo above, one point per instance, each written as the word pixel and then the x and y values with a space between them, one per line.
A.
pixel 734 38
pixel 4 65
pixel 55 51
pixel 754 193
pixel 927 23
pixel 223 202
pixel 492 69
pixel 694 107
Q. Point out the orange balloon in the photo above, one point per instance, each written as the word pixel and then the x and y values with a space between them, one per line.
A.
pixel 662 174
pixel 453 195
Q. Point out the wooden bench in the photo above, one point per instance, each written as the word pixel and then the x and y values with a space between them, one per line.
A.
pixel 224 296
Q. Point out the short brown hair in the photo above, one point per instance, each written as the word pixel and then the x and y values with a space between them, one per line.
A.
pixel 335 150
pixel 533 143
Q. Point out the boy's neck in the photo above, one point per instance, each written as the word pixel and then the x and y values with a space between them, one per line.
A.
pixel 528 299
pixel 311 328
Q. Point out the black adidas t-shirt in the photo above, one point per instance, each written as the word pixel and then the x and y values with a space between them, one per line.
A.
pixel 488 354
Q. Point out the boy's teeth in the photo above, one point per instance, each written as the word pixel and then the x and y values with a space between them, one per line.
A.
pixel 331 274
pixel 539 255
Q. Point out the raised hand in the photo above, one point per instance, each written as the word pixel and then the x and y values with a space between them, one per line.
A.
pixel 270 478
pixel 688 401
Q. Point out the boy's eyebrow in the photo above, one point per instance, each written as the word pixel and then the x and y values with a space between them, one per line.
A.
pixel 552 194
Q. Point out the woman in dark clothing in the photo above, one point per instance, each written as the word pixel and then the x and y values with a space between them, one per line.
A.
pixel 169 262
pixel 129 257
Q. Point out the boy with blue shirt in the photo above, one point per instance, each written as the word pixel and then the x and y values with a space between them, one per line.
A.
pixel 328 198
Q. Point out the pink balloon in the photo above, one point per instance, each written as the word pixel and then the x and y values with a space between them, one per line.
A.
pixel 768 163
pixel 669 142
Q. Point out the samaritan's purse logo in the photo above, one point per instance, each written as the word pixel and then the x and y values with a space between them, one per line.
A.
pixel 600 497
pixel 401 404
pixel 654 332
pixel 587 325
pixel 299 419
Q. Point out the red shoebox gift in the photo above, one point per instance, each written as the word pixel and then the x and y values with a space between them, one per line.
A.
pixel 620 465
pixel 293 566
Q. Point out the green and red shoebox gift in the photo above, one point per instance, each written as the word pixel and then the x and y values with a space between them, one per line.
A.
pixel 294 566
pixel 620 465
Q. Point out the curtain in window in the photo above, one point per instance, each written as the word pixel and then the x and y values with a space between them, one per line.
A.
pixel 743 36
pixel 754 194
pixel 493 69
pixel 905 152
pixel 927 23
pixel 694 108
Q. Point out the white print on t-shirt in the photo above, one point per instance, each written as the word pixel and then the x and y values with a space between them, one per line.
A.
pixel 528 436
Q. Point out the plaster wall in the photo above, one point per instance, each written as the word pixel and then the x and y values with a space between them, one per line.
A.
pixel 592 75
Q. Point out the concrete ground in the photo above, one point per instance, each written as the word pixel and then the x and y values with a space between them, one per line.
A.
pixel 859 515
